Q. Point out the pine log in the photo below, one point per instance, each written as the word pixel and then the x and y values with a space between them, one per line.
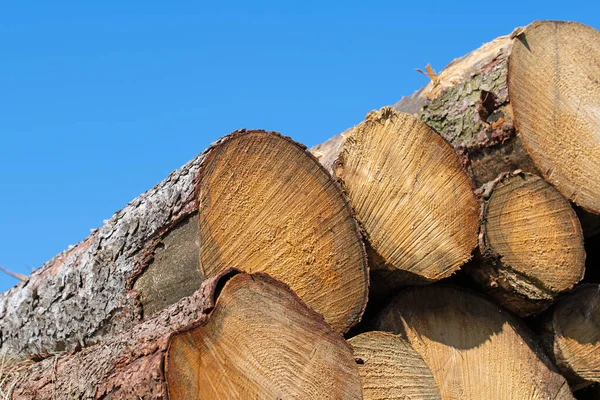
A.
pixel 84 294
pixel 280 347
pixel 391 369
pixel 146 257
pixel 474 349
pixel 572 335
pixel 525 101
pixel 127 365
pixel 411 196
pixel 531 243
pixel 261 342
pixel 266 204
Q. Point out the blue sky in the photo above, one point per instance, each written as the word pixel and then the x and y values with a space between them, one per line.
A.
pixel 99 102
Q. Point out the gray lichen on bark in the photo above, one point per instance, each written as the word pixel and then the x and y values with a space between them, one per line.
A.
pixel 83 293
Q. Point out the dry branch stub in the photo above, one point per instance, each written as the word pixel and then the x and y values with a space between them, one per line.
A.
pixel 474 349
pixel 266 204
pixel 261 341
pixel 572 335
pixel 543 80
pixel 411 195
pixel 391 369
pixel 531 242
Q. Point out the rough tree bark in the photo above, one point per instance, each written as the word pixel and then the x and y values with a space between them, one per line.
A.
pixel 531 243
pixel 411 195
pixel 84 293
pixel 126 365
pixel 266 204
pixel 526 101
pixel 471 346
pixel 146 257
pixel 391 369
pixel 316 364
pixel 571 334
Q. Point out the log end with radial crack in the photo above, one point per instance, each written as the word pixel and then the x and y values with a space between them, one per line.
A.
pixel 261 341
pixel 531 241
pixel 464 337
pixel 412 197
pixel 266 204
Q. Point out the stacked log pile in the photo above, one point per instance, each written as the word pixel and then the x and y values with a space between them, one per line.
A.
pixel 263 270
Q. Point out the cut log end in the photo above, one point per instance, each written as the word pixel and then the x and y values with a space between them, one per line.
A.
pixel 574 335
pixel 391 369
pixel 532 241
pixel 554 86
pixel 410 193
pixel 266 204
pixel 261 341
pixel 471 346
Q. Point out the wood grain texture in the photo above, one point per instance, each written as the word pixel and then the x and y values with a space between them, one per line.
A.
pixel 532 243
pixel 261 342
pixel 411 196
pixel 391 369
pixel 266 204
pixel 572 335
pixel 554 86
pixel 474 349
pixel 526 101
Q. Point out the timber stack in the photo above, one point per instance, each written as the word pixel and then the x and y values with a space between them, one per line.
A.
pixel 437 250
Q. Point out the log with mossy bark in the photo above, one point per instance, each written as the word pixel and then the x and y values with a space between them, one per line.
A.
pixel 531 243
pixel 571 334
pixel 411 195
pixel 239 336
pixel 266 204
pixel 474 349
pixel 525 101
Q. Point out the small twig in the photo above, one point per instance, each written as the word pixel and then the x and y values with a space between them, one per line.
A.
pixel 14 274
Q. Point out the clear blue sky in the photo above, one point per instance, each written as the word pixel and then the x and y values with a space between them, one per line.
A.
pixel 99 102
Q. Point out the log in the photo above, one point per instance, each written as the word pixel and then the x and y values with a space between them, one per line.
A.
pixel 472 346
pixel 127 365
pixel 85 293
pixel 411 196
pixel 525 101
pixel 266 204
pixel 391 369
pixel 571 335
pixel 283 348
pixel 261 341
pixel 146 257
pixel 531 243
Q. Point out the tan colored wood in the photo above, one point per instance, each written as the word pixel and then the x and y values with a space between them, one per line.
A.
pixel 261 342
pixel 573 335
pixel 474 349
pixel 554 86
pixel 532 243
pixel 543 80
pixel 391 369
pixel 266 204
pixel 411 195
